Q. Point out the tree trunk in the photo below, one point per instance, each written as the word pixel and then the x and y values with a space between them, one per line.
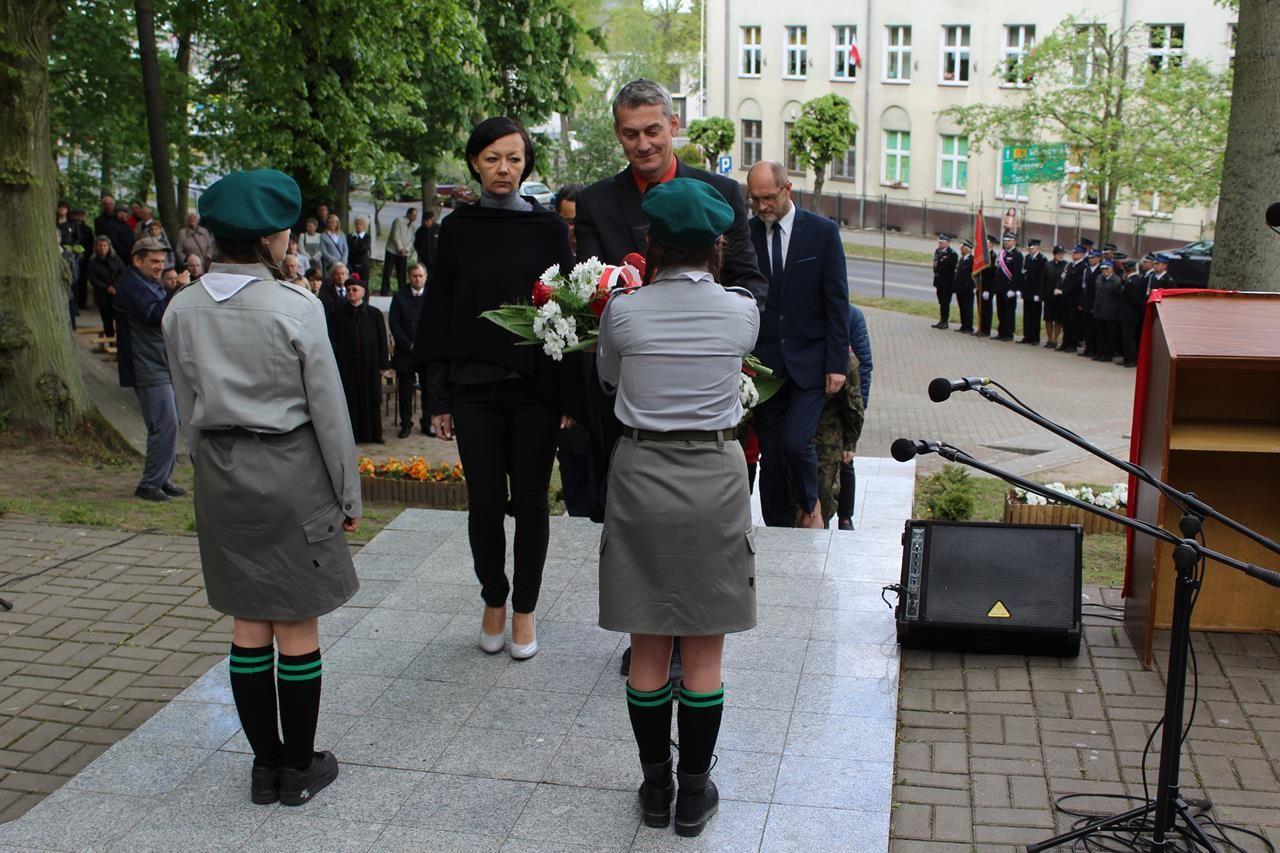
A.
pixel 41 387
pixel 157 134
pixel 819 178
pixel 1246 253
pixel 184 141
pixel 429 200
pixel 340 188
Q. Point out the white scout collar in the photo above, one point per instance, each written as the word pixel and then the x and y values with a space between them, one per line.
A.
pixel 222 286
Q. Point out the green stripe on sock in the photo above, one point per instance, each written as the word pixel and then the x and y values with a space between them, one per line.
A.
pixel 249 670
pixel 298 667
pixel 649 698
pixel 648 694
pixel 284 676
pixel 263 659
pixel 719 691
pixel 710 703
pixel 690 699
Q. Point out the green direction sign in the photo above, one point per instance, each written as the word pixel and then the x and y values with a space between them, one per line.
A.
pixel 1032 164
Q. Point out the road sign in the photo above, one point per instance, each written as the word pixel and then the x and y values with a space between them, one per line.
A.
pixel 1032 164
pixel 725 164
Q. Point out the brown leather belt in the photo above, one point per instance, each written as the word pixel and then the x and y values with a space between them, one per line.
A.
pixel 681 435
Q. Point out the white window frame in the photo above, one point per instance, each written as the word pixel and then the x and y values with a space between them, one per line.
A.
pixel 795 52
pixel 1165 53
pixel 1093 31
pixel 899 50
pixel 1068 182
pixel 1152 211
pixel 843 164
pixel 757 142
pixel 899 155
pixel 960 52
pixel 750 50
pixel 1016 53
pixel 956 159
pixel 843 36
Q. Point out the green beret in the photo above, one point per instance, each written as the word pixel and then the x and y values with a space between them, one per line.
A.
pixel 685 213
pixel 244 205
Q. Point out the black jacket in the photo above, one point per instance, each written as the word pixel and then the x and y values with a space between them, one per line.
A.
pixel 1053 272
pixel 1072 283
pixel 609 225
pixel 1089 290
pixel 963 279
pixel 1012 280
pixel 1033 283
pixel 358 249
pixel 119 232
pixel 406 310
pixel 425 244
pixel 1133 296
pixel 102 273
pixel 944 266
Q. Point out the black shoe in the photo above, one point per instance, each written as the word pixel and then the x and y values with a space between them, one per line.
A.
pixel 1101 358
pixel 1130 364
pixel 404 432
pixel 846 524
pixel 1006 338
pixel 173 490
pixel 939 326
pixel 379 440
pixel 264 784
pixel 965 330
pixel 656 794
pixel 299 786
pixel 1051 345
pixel 1029 341
pixel 696 802
pixel 150 493
pixel 428 429
pixel 625 669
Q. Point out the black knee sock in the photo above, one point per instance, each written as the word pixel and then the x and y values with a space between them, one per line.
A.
pixel 254 688
pixel 699 726
pixel 651 721
pixel 299 683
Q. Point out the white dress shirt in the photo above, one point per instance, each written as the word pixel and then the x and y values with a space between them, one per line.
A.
pixel 786 223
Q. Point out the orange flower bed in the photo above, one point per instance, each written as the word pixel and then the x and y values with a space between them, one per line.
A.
pixel 414 468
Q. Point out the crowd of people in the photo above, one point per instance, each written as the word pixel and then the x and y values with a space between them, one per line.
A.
pixel 1092 305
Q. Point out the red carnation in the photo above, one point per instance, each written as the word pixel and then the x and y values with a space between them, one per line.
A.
pixel 541 293
pixel 598 301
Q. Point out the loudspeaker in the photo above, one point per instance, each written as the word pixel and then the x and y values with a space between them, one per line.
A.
pixel 984 587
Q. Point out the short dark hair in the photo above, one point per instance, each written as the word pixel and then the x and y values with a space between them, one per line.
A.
pixel 173 270
pixel 411 210
pixel 428 214
pixel 660 256
pixel 246 251
pixel 62 202
pixel 643 93
pixel 568 192
pixel 491 130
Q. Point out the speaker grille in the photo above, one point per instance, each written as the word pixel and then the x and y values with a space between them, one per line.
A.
pixel 973 569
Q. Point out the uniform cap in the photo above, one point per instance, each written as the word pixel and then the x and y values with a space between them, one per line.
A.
pixel 1108 247
pixel 991 238
pixel 1031 243
pixel 1086 242
pixel 1080 249
pixel 685 213
pixel 968 244
pixel 147 244
pixel 1162 258
pixel 244 205
pixel 1058 250
pixel 1094 253
pixel 1106 264
pixel 944 237
pixel 1009 235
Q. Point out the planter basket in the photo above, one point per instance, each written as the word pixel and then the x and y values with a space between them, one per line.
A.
pixel 1016 512
pixel 447 495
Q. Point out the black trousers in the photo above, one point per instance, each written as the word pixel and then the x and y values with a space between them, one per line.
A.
pixel 984 313
pixel 107 311
pixel 1089 332
pixel 405 387
pixel 577 472
pixel 944 301
pixel 964 301
pixel 1108 338
pixel 1006 313
pixel 1129 333
pixel 1071 319
pixel 1031 309
pixel 786 424
pixel 392 260
pixel 848 481
pixel 506 438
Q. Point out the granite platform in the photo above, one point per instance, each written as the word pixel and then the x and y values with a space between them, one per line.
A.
pixel 445 748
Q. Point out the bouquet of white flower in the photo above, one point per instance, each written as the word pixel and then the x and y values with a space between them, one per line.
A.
pixel 1117 497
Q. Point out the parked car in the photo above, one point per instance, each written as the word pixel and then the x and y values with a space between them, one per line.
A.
pixel 1190 264
pixel 538 191
pixel 453 193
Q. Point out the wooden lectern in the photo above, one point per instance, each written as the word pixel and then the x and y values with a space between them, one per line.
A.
pixel 1208 422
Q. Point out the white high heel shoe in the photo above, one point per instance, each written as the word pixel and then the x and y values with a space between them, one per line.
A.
pixel 493 643
pixel 526 650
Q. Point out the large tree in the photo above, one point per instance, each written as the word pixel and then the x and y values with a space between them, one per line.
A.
pixel 1132 125
pixel 824 131
pixel 713 136
pixel 41 388
pixel 1246 255
pixel 157 132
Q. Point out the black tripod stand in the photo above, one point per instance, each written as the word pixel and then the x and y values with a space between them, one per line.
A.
pixel 1171 816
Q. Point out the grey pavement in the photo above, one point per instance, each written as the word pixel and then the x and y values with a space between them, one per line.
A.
pixel 446 748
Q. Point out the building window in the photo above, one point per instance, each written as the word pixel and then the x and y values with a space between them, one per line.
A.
pixel 953 164
pixel 897 54
pixel 680 103
pixel 845 168
pixel 1019 41
pixel 797 66
pixel 1164 45
pixel 845 57
pixel 1093 44
pixel 752 142
pixel 789 157
pixel 1154 204
pixel 955 55
pixel 1079 193
pixel 897 158
pixel 749 48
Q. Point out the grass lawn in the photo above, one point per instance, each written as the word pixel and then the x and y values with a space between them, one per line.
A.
pixel 924 309
pixel 1103 552
pixel 897 256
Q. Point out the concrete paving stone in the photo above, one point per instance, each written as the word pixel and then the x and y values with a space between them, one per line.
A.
pixel 606 820
pixel 595 763
pixel 401 744
pixel 329 731
pixel 850 659
pixel 788 592
pixel 521 710
pixel 465 804
pixel 737 826
pixel 1004 750
pixel 434 597
pixel 915 756
pixel 952 823
pixel 804 828
pixel 753 729
pixel 933 719
pixel 76 820
pixel 555 672
pixel 435 702
pixel 191 827
pixel 50 757
pixel 407 839
pixel 365 794
pixel 139 768
pixel 900 845
pixel 293 831
pixel 496 754
pixel 828 735
pixel 747 651
pixel 192 724
pixel 864 627
pixel 370 656
pixel 911 821
pixel 372 592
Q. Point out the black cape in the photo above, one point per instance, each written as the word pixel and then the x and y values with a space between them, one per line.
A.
pixel 360 344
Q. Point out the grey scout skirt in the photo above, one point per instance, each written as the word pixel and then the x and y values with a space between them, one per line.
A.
pixel 677 552
pixel 270 526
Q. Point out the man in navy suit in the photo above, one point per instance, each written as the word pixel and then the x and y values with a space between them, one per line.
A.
pixel 804 339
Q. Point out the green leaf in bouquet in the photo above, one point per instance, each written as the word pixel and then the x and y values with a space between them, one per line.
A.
pixel 767 386
pixel 516 319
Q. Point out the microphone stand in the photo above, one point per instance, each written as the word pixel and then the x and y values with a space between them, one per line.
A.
pixel 1186 501
pixel 1169 804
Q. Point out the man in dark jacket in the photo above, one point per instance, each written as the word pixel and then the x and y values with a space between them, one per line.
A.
pixel 406 310
pixel 1033 266
pixel 1070 285
pixel 1052 291
pixel 1008 282
pixel 359 245
pixel 990 284
pixel 1089 328
pixel 860 346
pixel 425 240
pixel 1133 299
pixel 116 226
pixel 140 303
pixel 1106 312
pixel 963 288
pixel 944 275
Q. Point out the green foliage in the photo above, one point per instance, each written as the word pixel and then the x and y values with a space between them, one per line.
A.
pixel 713 136
pixel 823 132
pixel 1131 129
pixel 656 39
pixel 593 152
pixel 691 154
pixel 949 494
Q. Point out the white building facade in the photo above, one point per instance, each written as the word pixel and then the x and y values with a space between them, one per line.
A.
pixel 765 58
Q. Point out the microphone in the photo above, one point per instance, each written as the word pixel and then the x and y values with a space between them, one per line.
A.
pixel 942 388
pixel 904 449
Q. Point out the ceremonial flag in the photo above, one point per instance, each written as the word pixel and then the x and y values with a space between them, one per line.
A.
pixel 855 56
pixel 979 243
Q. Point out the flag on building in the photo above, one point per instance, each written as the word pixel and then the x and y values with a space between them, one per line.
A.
pixel 855 56
pixel 979 243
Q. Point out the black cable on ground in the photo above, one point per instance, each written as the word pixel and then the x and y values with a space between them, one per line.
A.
pixel 5 604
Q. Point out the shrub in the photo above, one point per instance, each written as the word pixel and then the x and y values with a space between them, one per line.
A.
pixel 948 494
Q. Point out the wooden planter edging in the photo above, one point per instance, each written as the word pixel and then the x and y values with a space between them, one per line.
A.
pixel 1020 513
pixel 414 493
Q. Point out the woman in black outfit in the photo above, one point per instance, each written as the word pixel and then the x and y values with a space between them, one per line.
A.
pixel 507 403
pixel 102 270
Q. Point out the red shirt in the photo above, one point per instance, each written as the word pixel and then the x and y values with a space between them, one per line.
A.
pixel 643 185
